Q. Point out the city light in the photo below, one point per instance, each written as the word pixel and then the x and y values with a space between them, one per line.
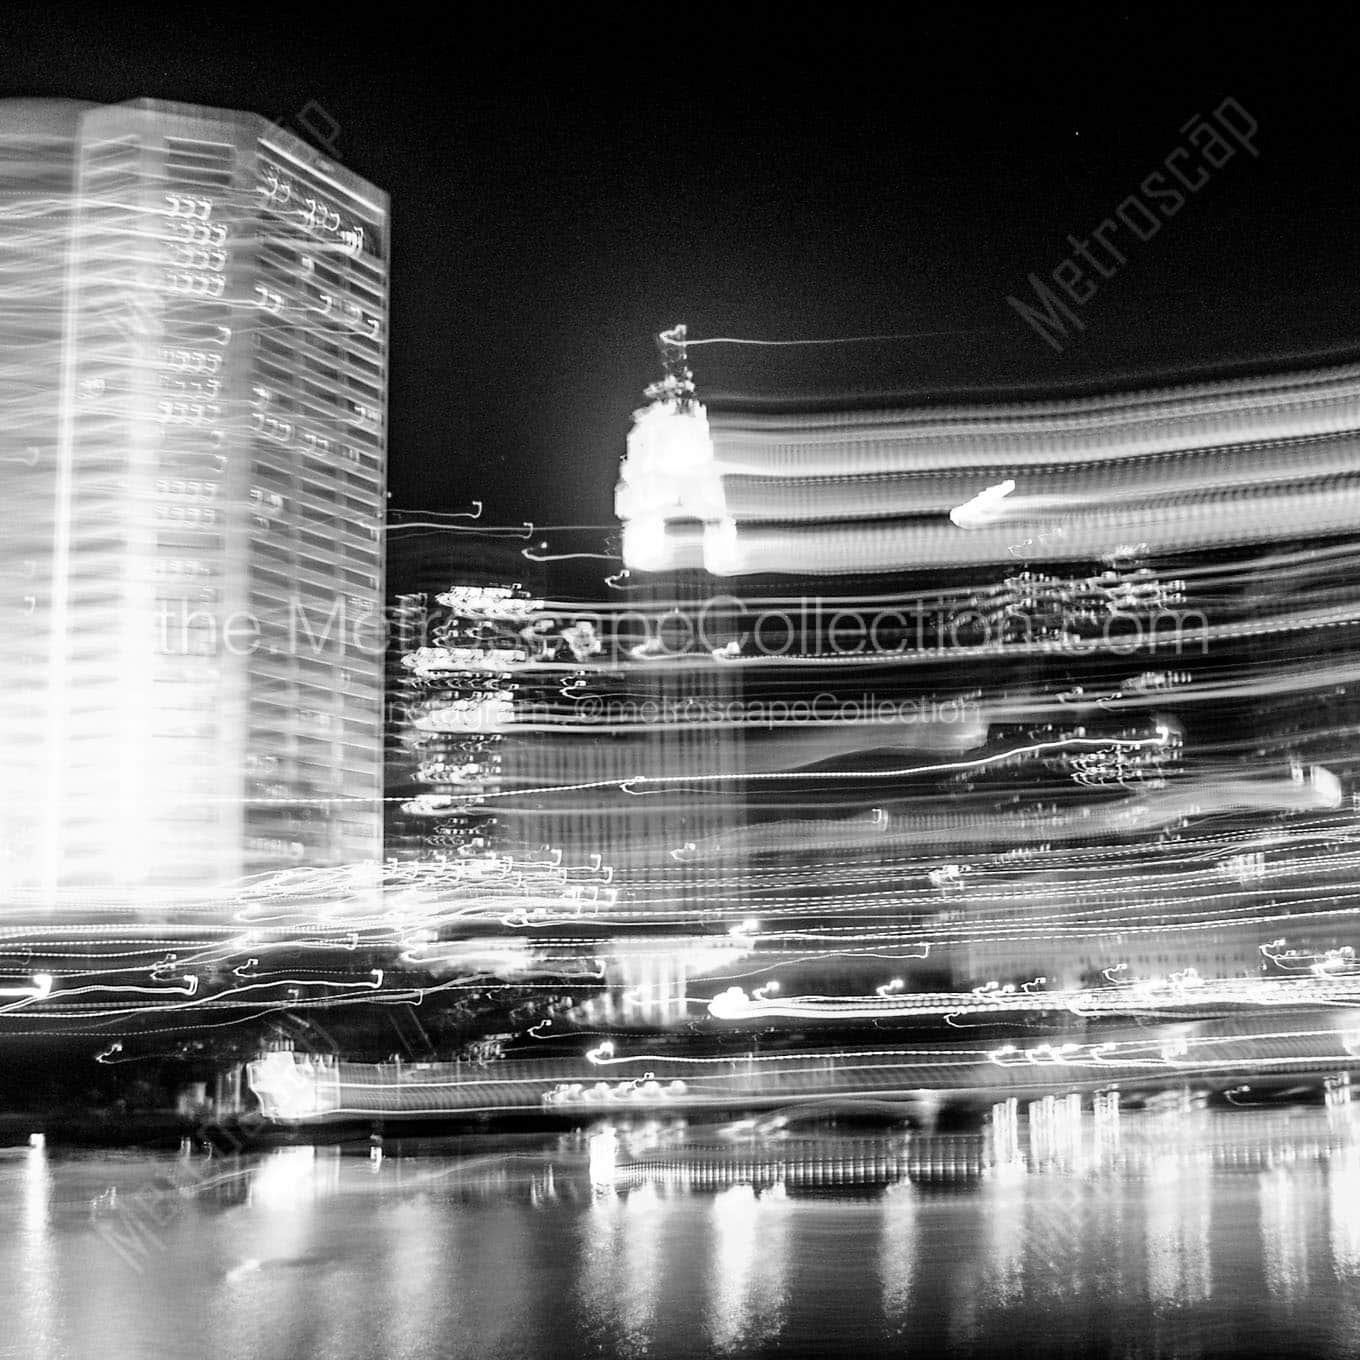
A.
pixel 924 780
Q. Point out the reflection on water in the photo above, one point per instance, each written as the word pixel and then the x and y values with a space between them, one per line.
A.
pixel 746 1300
pixel 1284 1234
pixel 35 1273
pixel 1177 1213
pixel 1199 1235
pixel 1343 1212
pixel 1004 1219
pixel 897 1257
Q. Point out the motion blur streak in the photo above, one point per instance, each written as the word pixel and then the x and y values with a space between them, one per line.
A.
pixel 916 757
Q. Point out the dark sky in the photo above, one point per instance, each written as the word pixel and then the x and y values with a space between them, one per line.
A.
pixel 562 188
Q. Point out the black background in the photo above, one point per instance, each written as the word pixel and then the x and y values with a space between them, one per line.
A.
pixel 564 186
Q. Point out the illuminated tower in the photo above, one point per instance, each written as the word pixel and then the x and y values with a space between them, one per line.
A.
pixel 211 592
pixel 670 493
pixel 1112 701
pixel 37 152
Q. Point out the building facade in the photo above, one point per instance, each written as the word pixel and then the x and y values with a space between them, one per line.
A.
pixel 208 623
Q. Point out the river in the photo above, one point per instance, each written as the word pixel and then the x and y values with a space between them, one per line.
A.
pixel 1211 1234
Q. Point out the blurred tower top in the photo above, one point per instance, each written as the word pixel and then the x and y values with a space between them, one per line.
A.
pixel 32 117
pixel 678 384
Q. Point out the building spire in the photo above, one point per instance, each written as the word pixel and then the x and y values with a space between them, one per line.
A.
pixel 678 383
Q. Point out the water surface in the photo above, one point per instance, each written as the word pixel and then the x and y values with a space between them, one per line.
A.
pixel 1208 1235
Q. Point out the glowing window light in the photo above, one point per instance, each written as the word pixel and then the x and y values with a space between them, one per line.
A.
pixel 668 473
pixel 39 991
pixel 669 442
pixel 283 1087
pixel 722 548
pixel 984 507
pixel 1325 785
pixel 644 543
pixel 502 602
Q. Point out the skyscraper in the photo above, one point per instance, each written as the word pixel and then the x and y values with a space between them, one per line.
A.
pixel 201 484
pixel 37 203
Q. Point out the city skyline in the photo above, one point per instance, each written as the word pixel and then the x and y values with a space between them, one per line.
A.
pixel 679 684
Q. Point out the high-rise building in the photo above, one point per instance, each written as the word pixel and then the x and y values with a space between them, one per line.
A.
pixel 199 473
pixel 454 656
pixel 38 140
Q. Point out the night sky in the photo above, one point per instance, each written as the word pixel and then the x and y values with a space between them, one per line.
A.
pixel 562 188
